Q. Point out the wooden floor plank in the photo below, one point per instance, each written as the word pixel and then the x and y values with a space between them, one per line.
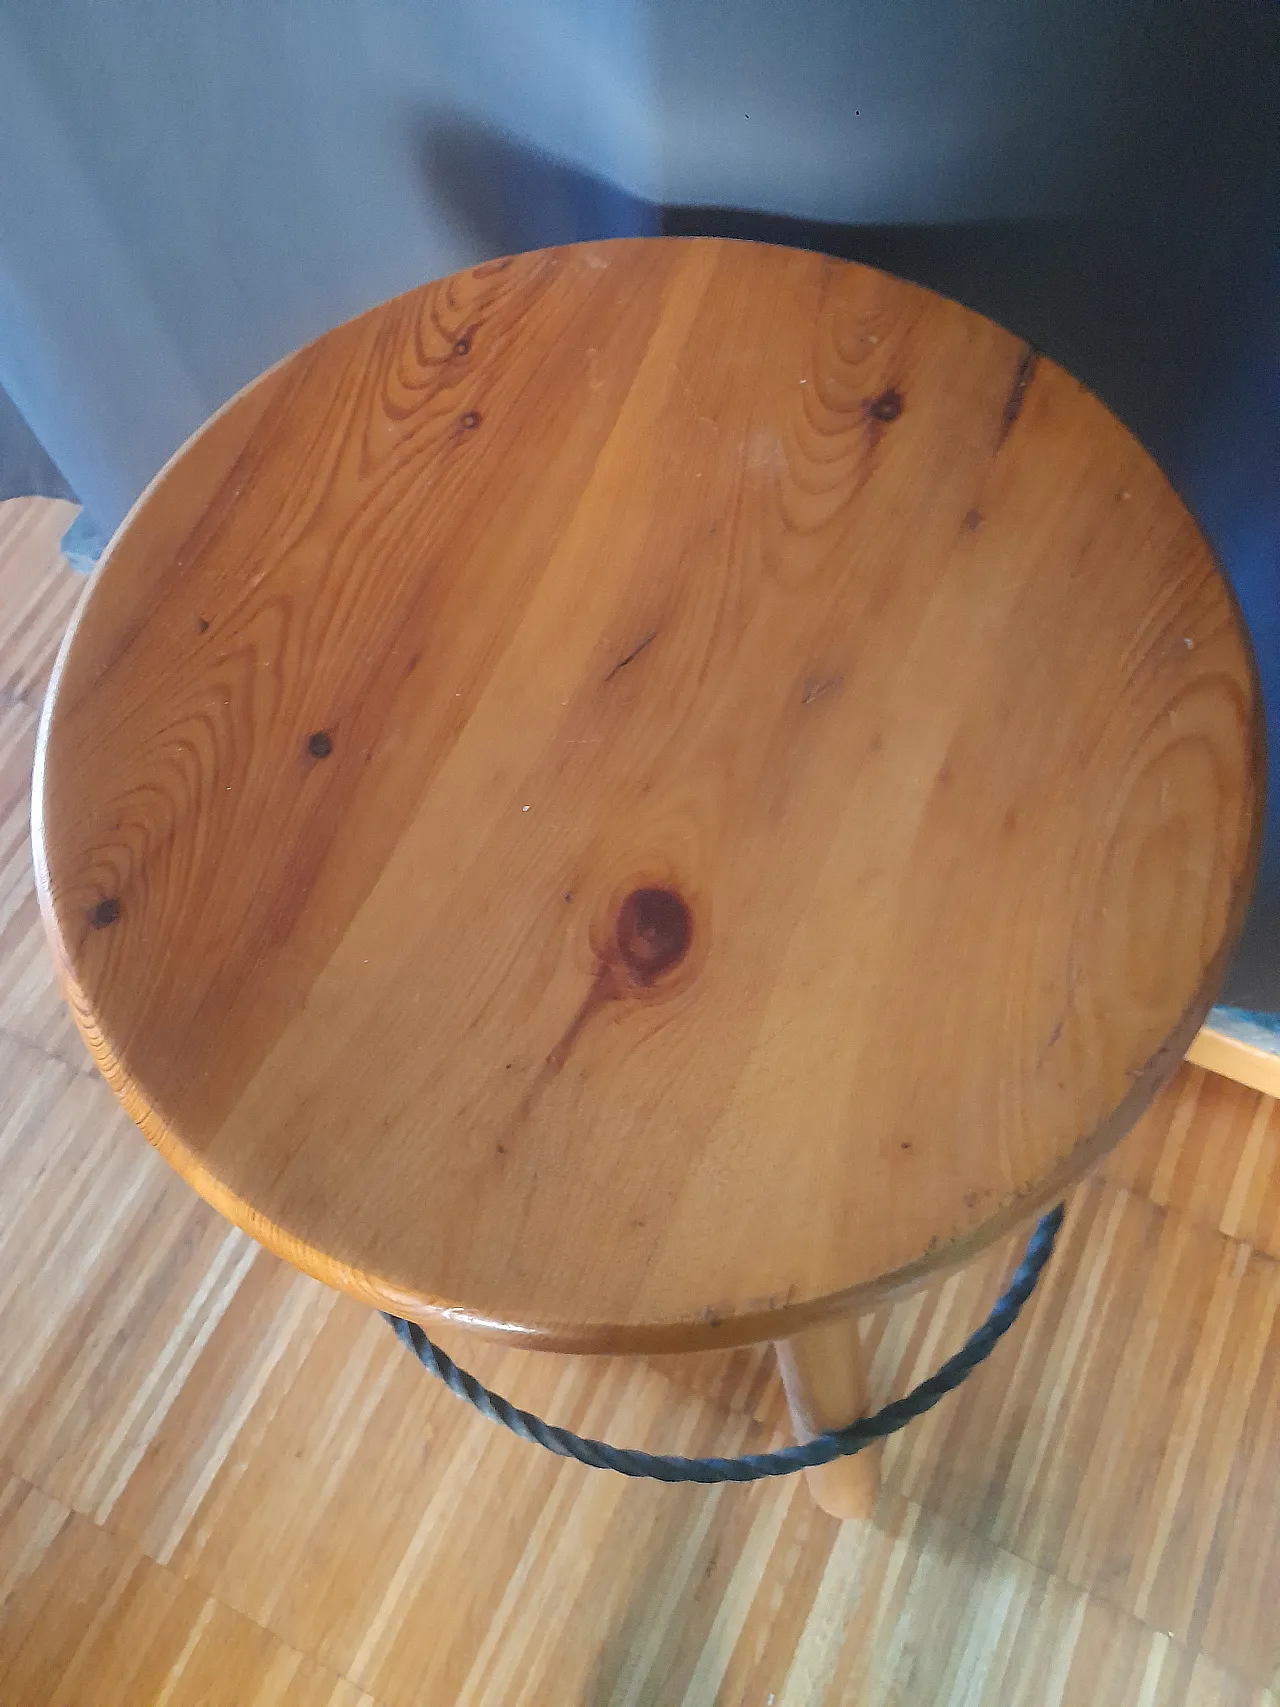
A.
pixel 1114 1446
pixel 1211 1149
pixel 271 1441
pixel 31 1007
pixel 89 1621
pixel 38 593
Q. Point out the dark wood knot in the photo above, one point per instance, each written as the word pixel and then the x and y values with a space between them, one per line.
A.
pixel 887 407
pixel 653 933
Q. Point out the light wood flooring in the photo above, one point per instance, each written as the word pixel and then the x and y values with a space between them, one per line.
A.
pixel 221 1483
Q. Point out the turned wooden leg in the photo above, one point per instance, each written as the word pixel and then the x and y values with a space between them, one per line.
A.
pixel 826 1386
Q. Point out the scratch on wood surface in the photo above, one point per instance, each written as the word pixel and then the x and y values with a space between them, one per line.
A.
pixel 815 687
pixel 632 655
pixel 1024 373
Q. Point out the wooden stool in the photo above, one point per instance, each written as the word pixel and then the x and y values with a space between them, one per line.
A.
pixel 650 796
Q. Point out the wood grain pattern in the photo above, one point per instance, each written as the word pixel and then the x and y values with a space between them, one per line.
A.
pixel 648 793
pixel 222 1484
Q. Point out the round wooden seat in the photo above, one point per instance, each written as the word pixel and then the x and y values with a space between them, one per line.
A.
pixel 648 794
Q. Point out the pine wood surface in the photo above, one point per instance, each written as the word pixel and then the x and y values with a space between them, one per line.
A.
pixel 222 1483
pixel 647 793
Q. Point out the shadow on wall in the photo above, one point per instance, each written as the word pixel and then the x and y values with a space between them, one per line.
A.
pixel 508 198
pixel 26 468
pixel 1125 308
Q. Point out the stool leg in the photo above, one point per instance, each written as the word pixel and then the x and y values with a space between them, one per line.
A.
pixel 823 1373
